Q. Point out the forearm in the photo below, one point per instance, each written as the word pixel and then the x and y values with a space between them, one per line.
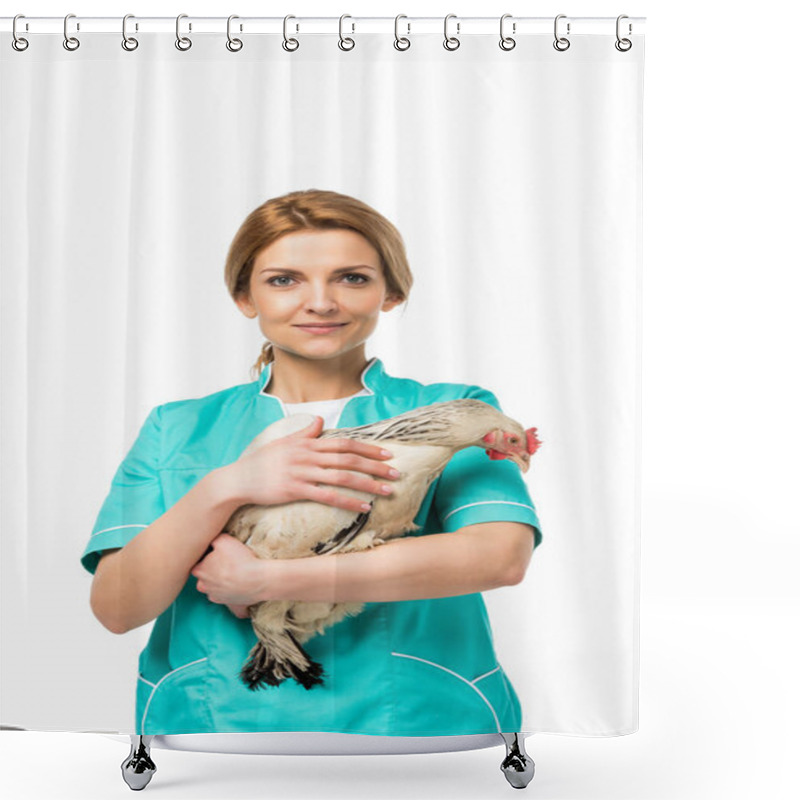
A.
pixel 136 583
pixel 413 568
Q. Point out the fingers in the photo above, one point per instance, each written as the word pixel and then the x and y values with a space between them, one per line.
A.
pixel 351 480
pixel 345 445
pixel 351 461
pixel 329 496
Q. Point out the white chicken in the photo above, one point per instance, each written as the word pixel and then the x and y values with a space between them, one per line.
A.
pixel 422 441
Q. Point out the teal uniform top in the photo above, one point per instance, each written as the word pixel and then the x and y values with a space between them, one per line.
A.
pixel 404 668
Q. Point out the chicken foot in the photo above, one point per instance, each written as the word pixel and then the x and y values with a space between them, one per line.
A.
pixel 276 657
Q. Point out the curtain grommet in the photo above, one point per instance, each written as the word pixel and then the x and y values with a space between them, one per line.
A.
pixel 561 43
pixel 183 43
pixel 623 44
pixel 401 43
pixel 451 42
pixel 506 42
pixel 346 43
pixel 70 43
pixel 19 43
pixel 233 44
pixel 289 44
pixel 128 43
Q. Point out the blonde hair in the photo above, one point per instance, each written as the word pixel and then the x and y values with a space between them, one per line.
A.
pixel 314 209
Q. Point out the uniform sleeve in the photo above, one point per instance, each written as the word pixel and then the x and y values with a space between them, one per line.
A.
pixel 134 500
pixel 473 488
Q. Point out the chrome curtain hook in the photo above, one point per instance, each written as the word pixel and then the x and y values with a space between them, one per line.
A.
pixel 506 42
pixel 18 42
pixel 561 43
pixel 346 43
pixel 401 43
pixel 623 45
pixel 451 42
pixel 182 42
pixel 290 45
pixel 234 45
pixel 129 43
pixel 70 42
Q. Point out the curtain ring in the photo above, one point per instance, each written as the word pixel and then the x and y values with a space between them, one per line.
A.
pixel 18 42
pixel 234 45
pixel 70 42
pixel 181 42
pixel 401 43
pixel 129 43
pixel 561 43
pixel 451 42
pixel 346 43
pixel 506 42
pixel 623 45
pixel 290 45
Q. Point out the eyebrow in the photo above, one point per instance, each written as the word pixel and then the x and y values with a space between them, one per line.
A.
pixel 335 272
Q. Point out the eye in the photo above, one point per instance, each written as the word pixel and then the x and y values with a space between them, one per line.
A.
pixel 513 440
pixel 277 278
pixel 362 278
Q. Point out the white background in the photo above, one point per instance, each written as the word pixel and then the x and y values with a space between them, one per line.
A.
pixel 719 613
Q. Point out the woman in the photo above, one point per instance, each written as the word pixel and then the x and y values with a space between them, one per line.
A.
pixel 316 269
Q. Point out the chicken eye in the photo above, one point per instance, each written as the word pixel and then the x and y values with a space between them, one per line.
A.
pixel 513 440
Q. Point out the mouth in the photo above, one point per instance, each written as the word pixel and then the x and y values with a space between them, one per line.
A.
pixel 317 328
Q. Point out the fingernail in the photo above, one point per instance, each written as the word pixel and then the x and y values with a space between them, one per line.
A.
pixel 366 507
pixel 395 473
pixel 385 453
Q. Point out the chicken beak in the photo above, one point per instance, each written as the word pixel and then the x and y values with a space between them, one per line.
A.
pixel 522 460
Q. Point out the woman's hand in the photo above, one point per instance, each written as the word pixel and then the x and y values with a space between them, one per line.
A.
pixel 292 467
pixel 231 574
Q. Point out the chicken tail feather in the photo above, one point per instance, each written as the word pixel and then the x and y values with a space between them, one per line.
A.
pixel 284 658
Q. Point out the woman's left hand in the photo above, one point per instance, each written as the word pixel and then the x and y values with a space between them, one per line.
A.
pixel 231 574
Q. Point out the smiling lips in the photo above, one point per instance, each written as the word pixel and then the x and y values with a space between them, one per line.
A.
pixel 322 328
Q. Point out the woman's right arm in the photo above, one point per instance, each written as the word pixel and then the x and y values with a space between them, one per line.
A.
pixel 133 585
pixel 136 583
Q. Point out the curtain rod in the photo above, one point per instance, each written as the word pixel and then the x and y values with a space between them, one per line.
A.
pixel 326 25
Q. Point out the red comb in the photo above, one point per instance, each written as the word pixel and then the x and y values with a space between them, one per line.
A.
pixel 533 442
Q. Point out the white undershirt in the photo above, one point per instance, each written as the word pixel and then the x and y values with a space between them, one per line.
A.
pixel 329 410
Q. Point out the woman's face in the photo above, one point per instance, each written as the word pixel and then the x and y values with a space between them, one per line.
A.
pixel 313 277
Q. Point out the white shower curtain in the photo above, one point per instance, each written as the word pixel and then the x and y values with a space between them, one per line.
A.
pixel 515 179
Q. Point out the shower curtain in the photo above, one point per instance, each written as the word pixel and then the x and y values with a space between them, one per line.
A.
pixel 513 174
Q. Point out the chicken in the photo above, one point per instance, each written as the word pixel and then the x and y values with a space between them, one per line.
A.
pixel 422 441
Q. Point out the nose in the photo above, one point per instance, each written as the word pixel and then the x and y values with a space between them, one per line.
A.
pixel 320 299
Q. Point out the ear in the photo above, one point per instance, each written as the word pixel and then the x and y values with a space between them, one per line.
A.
pixel 391 301
pixel 245 305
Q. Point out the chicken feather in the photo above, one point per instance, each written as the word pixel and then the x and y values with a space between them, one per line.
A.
pixel 422 441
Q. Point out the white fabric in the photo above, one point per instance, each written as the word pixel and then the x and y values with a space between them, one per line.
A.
pixel 329 410
pixel 515 178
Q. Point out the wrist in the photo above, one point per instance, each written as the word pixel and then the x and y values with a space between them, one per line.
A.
pixel 309 579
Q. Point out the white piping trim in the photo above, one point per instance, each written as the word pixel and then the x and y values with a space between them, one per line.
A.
pixel 485 675
pixel 146 681
pixel 489 503
pixel 155 688
pixel 116 528
pixel 461 678
pixel 264 393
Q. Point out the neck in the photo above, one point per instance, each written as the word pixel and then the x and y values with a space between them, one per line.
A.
pixel 295 379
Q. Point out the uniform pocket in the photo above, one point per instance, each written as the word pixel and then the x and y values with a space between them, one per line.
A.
pixel 176 703
pixel 433 700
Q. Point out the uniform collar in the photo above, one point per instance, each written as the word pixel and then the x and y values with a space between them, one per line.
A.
pixel 373 377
